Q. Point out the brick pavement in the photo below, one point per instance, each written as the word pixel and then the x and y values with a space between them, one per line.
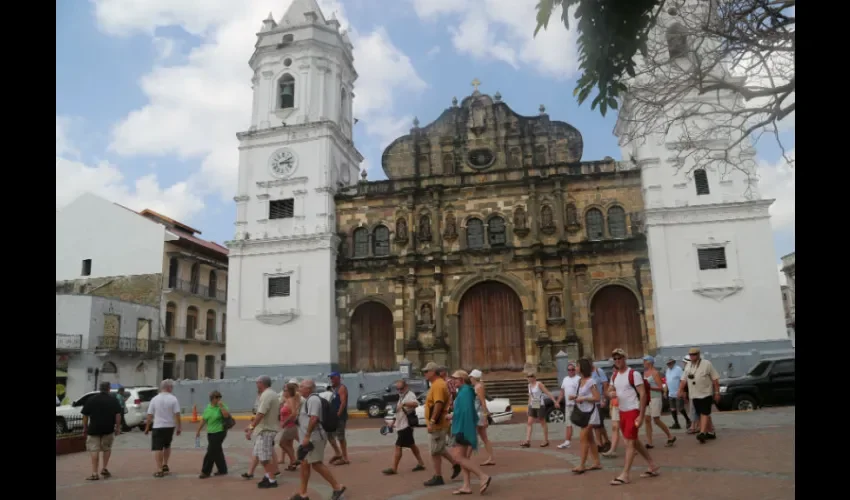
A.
pixel 747 459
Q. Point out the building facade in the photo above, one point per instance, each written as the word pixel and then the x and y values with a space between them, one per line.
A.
pixel 101 339
pixel 789 293
pixel 106 250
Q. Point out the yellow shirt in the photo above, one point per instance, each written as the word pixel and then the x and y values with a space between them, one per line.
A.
pixel 702 385
pixel 438 393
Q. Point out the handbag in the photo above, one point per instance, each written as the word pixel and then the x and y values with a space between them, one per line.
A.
pixel 578 417
pixel 228 421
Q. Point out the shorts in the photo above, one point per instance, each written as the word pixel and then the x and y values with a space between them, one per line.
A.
pixel 655 405
pixel 339 434
pixel 95 444
pixel 289 434
pixel 462 440
pixel 317 455
pixel 404 438
pixel 597 421
pixel 615 414
pixel 627 424
pixel 161 438
pixel 439 441
pixel 264 446
pixel 537 412
pixel 703 405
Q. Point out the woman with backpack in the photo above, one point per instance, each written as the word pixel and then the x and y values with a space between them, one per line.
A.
pixel 586 415
pixel 216 418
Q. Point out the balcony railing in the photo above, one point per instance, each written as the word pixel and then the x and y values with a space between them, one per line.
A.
pixel 197 289
pixel 66 342
pixel 129 344
pixel 181 333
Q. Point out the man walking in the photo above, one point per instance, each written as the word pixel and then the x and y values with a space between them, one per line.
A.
pixel 701 380
pixel 405 409
pixel 164 417
pixel 101 423
pixel 568 386
pixel 339 403
pixel 673 374
pixel 628 388
pixel 436 410
pixel 264 428
pixel 313 440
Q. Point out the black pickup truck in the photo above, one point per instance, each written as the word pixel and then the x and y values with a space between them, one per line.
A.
pixel 375 403
pixel 770 382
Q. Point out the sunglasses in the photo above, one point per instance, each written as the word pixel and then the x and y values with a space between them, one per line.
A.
pixel 617 358
pixel 571 369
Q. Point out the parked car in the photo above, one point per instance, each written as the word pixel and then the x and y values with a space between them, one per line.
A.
pixel 499 408
pixel 375 403
pixel 769 382
pixel 69 417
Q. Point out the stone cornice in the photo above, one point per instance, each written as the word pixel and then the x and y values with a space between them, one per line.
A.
pixel 299 243
pixel 696 214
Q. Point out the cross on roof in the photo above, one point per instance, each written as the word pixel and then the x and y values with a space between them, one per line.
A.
pixel 476 83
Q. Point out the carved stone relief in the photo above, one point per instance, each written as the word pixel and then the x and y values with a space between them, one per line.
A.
pixel 520 222
pixel 450 232
pixel 555 307
pixel 401 230
pixel 572 218
pixel 547 220
pixel 424 228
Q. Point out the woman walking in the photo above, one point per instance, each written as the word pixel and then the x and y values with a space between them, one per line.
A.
pixel 289 409
pixel 464 423
pixel 213 419
pixel 483 415
pixel 585 399
pixel 656 388
pixel 536 409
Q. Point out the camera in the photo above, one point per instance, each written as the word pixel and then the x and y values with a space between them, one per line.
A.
pixel 303 451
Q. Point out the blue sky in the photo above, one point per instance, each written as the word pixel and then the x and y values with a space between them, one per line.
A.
pixel 150 93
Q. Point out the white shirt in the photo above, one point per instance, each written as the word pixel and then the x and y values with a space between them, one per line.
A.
pixel 401 420
pixel 627 397
pixel 163 406
pixel 569 387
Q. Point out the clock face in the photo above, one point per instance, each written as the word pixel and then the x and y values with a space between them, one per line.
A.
pixel 345 174
pixel 282 163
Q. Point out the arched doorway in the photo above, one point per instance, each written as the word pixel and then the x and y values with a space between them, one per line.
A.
pixel 109 372
pixel 615 316
pixel 491 328
pixel 372 338
pixel 169 366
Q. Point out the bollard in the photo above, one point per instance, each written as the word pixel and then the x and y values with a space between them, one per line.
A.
pixel 195 413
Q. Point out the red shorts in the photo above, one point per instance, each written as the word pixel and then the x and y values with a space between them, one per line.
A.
pixel 627 423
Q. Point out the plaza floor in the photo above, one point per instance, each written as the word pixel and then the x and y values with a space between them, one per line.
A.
pixel 753 457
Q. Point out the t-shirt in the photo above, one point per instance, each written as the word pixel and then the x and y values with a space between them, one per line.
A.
pixel 401 420
pixel 674 378
pixel 600 379
pixel 120 399
pixel 311 407
pixel 439 392
pixel 269 406
pixel 627 396
pixel 214 419
pixel 163 407
pixel 702 385
pixel 101 410
pixel 568 388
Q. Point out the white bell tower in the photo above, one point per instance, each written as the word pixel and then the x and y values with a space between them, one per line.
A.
pixel 714 267
pixel 294 157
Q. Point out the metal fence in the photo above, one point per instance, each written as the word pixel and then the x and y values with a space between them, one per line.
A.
pixel 69 425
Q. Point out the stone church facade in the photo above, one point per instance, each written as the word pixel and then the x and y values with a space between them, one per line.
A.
pixel 492 245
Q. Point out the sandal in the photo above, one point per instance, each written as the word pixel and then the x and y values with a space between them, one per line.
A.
pixel 485 486
pixel 618 482
pixel 334 459
pixel 93 477
pixel 245 475
pixel 165 469
pixel 525 444
pixel 595 467
pixel 488 463
pixel 671 441
pixel 578 471
pixel 544 445
pixel 609 454
pixel 342 461
pixel 389 472
pixel 461 492
pixel 418 468
pixel 291 467
pixel 650 446
pixel 159 474
pixel 651 473
pixel 105 473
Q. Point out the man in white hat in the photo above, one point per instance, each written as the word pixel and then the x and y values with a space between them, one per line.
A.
pixel 703 384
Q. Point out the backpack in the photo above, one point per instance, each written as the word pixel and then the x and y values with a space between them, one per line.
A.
pixel 632 383
pixel 329 418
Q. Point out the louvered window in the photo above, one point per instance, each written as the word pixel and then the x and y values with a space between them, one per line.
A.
pixel 281 209
pixel 595 224
pixel 496 232
pixel 279 287
pixel 711 258
pixel 381 242
pixel 474 233
pixel 361 242
pixel 617 222
pixel 701 180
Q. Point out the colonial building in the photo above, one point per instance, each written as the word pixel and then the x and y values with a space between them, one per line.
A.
pixel 789 293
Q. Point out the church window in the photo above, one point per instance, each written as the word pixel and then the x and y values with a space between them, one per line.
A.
pixel 711 258
pixel 361 242
pixel 287 62
pixel 496 232
pixel 279 286
pixel 617 222
pixel 282 209
pixel 595 224
pixel 701 180
pixel 86 267
pixel 381 243
pixel 677 41
pixel 474 233
pixel 287 92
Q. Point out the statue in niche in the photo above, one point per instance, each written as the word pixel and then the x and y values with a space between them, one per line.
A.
pixel 547 220
pixel 427 315
pixel 450 232
pixel 401 229
pixel 572 215
pixel 554 307
pixel 520 222
pixel 448 164
pixel 477 116
pixel 425 228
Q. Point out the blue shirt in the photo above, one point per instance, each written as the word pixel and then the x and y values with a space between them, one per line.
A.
pixel 674 378
pixel 600 378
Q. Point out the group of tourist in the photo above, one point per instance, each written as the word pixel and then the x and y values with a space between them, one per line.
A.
pixel 456 415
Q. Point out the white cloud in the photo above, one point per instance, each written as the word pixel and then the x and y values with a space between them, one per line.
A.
pixel 778 181
pixel 195 109
pixel 433 51
pixel 63 142
pixel 503 30
pixel 164 47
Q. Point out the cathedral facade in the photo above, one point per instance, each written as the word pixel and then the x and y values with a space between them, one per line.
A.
pixel 491 245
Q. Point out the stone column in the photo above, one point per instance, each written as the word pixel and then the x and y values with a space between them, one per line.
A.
pixel 411 306
pixel 560 215
pixel 533 213
pixel 542 330
pixel 438 304
pixel 567 298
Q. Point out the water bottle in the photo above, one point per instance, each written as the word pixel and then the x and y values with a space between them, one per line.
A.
pixel 197 441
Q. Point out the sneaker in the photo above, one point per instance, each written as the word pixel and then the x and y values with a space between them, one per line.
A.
pixel 710 435
pixel 418 468
pixel 565 444
pixel 675 426
pixel 265 484
pixel 701 438
pixel 435 481
pixel 455 470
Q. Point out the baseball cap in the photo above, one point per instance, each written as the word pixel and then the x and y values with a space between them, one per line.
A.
pixel 649 358
pixel 334 374
pixel 476 374
pixel 618 352
pixel 431 367
pixel 671 360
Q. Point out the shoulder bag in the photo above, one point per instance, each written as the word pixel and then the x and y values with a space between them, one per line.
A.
pixel 578 417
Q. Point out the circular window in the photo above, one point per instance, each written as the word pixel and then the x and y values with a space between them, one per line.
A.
pixel 287 62
pixel 480 158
